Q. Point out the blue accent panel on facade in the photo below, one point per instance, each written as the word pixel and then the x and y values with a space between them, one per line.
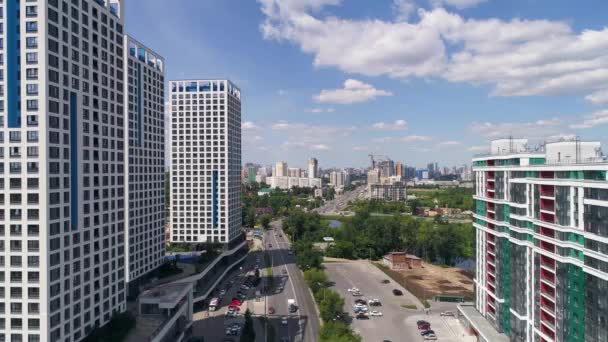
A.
pixel 74 161
pixel 12 61
pixel 214 204
pixel 140 129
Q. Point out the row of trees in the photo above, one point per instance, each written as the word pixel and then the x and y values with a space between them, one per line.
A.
pixel 331 308
pixel 457 198
pixel 370 236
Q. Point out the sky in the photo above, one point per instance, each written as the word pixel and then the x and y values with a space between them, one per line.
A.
pixel 417 80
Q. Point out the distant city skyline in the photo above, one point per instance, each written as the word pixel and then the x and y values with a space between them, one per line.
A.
pixel 311 91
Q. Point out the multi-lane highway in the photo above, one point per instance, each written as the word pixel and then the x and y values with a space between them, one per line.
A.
pixel 340 203
pixel 303 325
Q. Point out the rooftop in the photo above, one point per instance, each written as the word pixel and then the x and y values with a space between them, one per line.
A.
pixel 166 296
pixel 481 325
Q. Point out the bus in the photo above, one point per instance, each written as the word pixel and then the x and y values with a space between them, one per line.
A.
pixel 213 304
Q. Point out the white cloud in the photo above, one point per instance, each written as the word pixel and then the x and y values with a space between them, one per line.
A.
pixel 395 126
pixel 519 129
pixel 281 126
pixel 403 9
pixel 320 147
pixel 460 4
pixel 415 138
pixel 599 97
pixel 515 57
pixel 248 126
pixel 360 148
pixel 449 143
pixel 595 119
pixel 479 148
pixel 281 92
pixel 318 110
pixel 353 92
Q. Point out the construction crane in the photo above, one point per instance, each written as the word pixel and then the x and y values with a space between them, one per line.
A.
pixel 377 158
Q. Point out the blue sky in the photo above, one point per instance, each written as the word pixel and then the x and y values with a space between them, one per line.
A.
pixel 417 80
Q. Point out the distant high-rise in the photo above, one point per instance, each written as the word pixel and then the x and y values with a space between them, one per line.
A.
pixel 313 168
pixel 336 179
pixel 280 169
pixel 206 161
pixel 295 172
pixel 373 176
pixel 399 171
pixel 387 168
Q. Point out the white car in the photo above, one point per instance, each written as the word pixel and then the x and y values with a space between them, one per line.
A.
pixel 354 289
pixel 360 305
pixel 430 337
pixel 375 313
pixel 284 320
pixel 357 294
pixel 447 313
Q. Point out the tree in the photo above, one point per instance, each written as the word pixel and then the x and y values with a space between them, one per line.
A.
pixel 248 333
pixel 315 278
pixel 337 332
pixel 331 305
pixel 265 220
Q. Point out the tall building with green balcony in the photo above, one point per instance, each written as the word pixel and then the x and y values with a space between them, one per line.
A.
pixel 541 219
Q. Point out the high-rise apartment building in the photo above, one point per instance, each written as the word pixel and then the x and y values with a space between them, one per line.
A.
pixel 206 161
pixel 336 179
pixel 144 79
pixel 295 172
pixel 280 169
pixel 387 168
pixel 313 168
pixel 65 247
pixel 399 171
pixel 541 220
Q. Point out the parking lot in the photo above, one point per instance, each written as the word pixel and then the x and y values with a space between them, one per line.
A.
pixel 398 322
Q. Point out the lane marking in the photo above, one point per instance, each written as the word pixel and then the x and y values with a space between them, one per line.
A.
pixel 289 279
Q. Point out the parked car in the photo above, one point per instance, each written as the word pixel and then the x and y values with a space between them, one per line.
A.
pixel 374 302
pixel 375 313
pixel 448 313
pixel 385 281
pixel 422 322
pixel 427 332
pixel 357 294
pixel 360 301
pixel 353 289
pixel 431 337
pixel 424 327
pixel 397 292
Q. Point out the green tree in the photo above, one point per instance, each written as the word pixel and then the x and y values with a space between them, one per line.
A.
pixel 315 278
pixel 331 305
pixel 337 332
pixel 265 220
pixel 248 333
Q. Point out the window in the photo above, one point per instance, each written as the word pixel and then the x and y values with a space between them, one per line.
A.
pixel 32 89
pixel 31 57
pixel 31 26
pixel 31 73
pixel 31 42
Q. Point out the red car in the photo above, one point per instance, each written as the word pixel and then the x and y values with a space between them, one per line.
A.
pixel 234 307
pixel 424 326
pixel 235 302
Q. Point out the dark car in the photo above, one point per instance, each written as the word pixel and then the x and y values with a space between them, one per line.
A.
pixel 422 322
pixel 397 292
pixel 360 301
pixel 427 332
pixel 385 281
pixel 424 327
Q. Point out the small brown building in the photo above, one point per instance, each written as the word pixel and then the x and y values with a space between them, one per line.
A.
pixel 401 261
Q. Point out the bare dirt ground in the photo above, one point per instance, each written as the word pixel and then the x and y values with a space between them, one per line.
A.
pixel 430 280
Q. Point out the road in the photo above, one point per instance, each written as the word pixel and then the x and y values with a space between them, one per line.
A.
pixel 398 323
pixel 340 202
pixel 303 325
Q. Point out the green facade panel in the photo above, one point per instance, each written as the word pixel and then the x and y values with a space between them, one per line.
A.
pixel 576 304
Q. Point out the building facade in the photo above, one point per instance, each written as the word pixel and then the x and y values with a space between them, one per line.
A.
pixel 64 177
pixel 206 161
pixel 291 182
pixel 280 169
pixel 313 168
pixel 391 191
pixel 144 80
pixel 541 219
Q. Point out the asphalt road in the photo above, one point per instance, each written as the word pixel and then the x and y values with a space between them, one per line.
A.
pixel 303 325
pixel 397 323
pixel 340 203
